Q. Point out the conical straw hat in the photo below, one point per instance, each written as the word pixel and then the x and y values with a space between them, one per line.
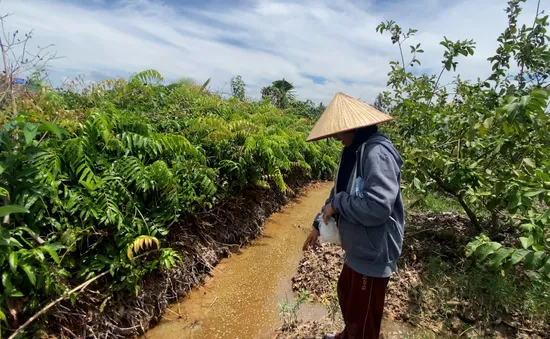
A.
pixel 345 113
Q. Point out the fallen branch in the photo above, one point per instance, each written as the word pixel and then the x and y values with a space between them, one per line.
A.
pixel 74 290
pixel 53 303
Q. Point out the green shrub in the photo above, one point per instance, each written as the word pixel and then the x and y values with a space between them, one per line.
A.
pixel 135 157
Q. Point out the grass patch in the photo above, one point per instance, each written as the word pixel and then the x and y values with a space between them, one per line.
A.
pixel 430 202
pixel 478 295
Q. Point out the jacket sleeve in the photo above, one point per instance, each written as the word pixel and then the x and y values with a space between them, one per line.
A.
pixel 380 190
pixel 330 198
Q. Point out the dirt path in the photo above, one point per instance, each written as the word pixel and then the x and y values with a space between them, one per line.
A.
pixel 241 299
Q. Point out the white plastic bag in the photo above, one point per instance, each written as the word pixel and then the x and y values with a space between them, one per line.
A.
pixel 328 233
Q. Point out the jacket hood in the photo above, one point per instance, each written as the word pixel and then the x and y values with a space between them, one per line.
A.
pixel 381 139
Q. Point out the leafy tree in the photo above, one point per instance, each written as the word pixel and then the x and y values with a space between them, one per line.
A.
pixel 280 93
pixel 238 88
pixel 487 143
pixel 308 109
pixel 378 102
pixel 381 103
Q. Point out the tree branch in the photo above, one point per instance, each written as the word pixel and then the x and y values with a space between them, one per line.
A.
pixel 436 83
pixel 402 58
pixel 467 209
pixel 53 303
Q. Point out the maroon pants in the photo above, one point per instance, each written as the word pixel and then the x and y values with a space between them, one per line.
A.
pixel 362 303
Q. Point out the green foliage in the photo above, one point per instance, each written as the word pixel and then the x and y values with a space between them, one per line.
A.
pixel 280 93
pixel 480 290
pixel 307 109
pixel 135 156
pixel 238 88
pixel 381 102
pixel 289 312
pixel 429 201
pixel 330 300
pixel 485 143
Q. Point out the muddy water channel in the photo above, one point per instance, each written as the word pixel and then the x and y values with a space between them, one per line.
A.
pixel 241 299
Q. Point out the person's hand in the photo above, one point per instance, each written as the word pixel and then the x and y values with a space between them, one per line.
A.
pixel 328 212
pixel 311 240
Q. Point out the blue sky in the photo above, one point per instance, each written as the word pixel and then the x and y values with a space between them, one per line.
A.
pixel 321 46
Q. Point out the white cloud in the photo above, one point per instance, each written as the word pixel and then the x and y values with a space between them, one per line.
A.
pixel 260 40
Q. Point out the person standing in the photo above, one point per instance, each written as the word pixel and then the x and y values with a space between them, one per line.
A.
pixel 367 205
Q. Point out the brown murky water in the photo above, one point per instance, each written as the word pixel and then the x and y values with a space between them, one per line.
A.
pixel 241 300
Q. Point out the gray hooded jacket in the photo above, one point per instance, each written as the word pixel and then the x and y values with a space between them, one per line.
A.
pixel 370 212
